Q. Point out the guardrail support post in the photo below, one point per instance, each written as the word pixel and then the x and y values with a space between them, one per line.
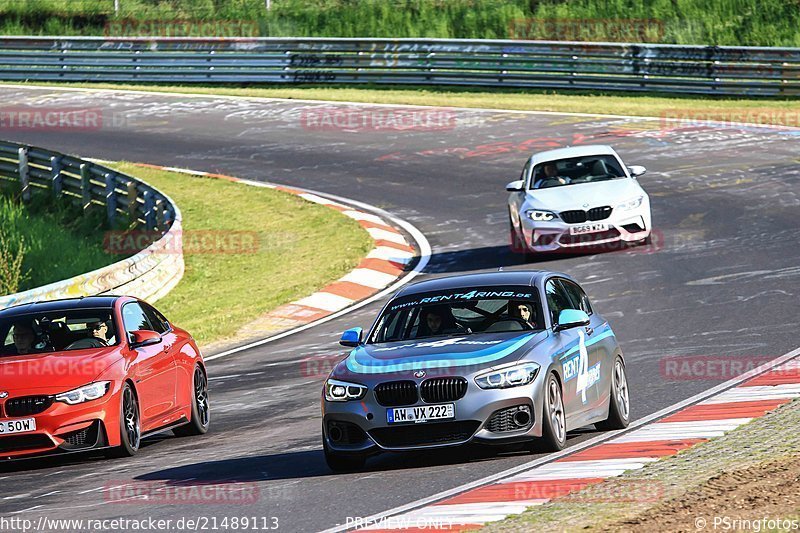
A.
pixel 86 187
pixel 149 210
pixel 56 179
pixel 24 177
pixel 132 203
pixel 111 199
pixel 159 213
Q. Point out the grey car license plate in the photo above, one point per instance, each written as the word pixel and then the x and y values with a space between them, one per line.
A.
pixel 423 413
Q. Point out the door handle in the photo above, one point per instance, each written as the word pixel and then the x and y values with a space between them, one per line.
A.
pixel 167 347
pixel 589 330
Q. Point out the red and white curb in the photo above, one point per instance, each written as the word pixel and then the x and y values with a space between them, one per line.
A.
pixel 727 407
pixel 382 271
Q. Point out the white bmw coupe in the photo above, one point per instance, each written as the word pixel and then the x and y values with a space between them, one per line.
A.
pixel 577 197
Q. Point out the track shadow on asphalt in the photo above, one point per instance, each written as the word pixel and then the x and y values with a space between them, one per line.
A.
pixel 491 258
pixel 32 464
pixel 311 463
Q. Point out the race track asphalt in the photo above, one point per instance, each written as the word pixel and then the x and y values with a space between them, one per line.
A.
pixel 720 281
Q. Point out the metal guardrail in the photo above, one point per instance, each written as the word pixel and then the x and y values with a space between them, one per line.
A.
pixel 149 274
pixel 750 71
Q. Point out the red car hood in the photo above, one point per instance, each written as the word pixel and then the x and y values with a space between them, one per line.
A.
pixel 50 373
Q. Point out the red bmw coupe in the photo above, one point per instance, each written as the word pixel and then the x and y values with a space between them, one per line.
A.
pixel 95 372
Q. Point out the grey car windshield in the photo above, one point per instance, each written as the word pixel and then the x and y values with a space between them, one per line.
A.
pixel 576 170
pixel 460 312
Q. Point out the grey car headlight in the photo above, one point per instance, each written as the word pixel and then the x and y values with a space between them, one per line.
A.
pixel 513 376
pixel 342 391
pixel 631 204
pixel 92 391
pixel 540 215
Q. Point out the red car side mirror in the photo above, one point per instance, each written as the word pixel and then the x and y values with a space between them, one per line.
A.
pixel 143 337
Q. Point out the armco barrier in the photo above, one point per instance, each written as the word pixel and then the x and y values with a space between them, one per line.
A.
pixel 491 63
pixel 149 274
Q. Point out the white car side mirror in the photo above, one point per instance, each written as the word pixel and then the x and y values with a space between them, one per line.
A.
pixel 636 170
pixel 515 186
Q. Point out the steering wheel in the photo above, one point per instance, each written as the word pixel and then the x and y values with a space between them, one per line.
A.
pixel 90 342
pixel 525 325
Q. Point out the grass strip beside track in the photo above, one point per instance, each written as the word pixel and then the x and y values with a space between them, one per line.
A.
pixel 758 111
pixel 300 247
pixel 749 473
pixel 57 239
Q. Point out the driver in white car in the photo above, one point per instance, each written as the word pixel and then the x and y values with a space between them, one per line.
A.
pixel 550 177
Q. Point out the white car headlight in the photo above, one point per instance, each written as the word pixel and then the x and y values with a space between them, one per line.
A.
pixel 540 215
pixel 513 376
pixel 631 204
pixel 342 391
pixel 87 393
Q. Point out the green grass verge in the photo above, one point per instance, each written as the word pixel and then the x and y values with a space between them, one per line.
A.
pixel 301 247
pixel 655 492
pixel 57 239
pixel 722 22
pixel 760 111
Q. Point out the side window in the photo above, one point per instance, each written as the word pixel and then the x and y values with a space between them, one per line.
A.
pixel 160 324
pixel 577 297
pixel 134 317
pixel 524 175
pixel 557 299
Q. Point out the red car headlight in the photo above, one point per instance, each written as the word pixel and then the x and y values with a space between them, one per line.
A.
pixel 92 391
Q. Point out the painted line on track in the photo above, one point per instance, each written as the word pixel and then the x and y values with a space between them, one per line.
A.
pixel 702 417
pixel 409 106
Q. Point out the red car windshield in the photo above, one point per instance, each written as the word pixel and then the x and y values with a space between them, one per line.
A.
pixel 57 331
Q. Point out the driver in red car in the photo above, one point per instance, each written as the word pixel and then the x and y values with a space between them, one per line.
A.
pixel 24 338
pixel 99 330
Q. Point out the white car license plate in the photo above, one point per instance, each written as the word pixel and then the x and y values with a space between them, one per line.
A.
pixel 420 414
pixel 587 228
pixel 17 426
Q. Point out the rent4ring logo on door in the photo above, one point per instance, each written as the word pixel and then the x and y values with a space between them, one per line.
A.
pixel 577 366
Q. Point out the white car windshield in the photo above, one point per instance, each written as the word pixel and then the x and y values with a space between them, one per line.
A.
pixel 575 170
